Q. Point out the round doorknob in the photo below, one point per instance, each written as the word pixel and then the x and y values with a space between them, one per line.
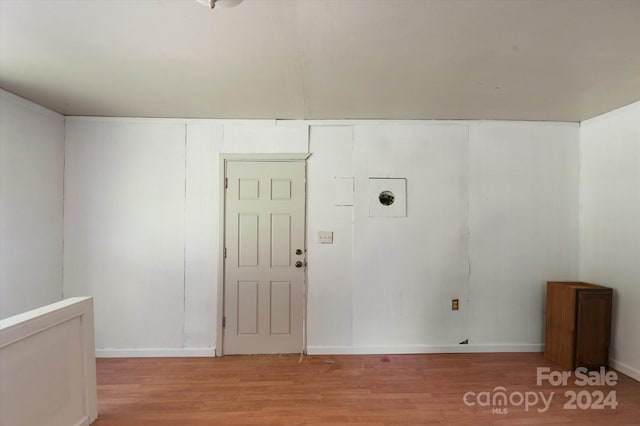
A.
pixel 298 264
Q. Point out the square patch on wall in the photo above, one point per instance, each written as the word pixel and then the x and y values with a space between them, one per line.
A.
pixel 387 197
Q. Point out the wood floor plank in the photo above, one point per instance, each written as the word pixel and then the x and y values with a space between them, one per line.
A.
pixel 340 390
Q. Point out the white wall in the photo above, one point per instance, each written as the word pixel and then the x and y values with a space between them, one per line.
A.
pixel 492 215
pixel 407 270
pixel 31 206
pixel 523 232
pixel 141 225
pixel 330 268
pixel 610 225
pixel 124 229
pixel 492 210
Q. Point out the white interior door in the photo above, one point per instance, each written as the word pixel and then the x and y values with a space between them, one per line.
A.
pixel 265 257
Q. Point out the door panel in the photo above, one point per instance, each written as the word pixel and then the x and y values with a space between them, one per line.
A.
pixel 247 307
pixel 248 239
pixel 249 189
pixel 280 307
pixel 280 240
pixel 280 189
pixel 264 227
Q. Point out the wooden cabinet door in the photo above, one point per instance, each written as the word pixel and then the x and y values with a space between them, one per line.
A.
pixel 593 328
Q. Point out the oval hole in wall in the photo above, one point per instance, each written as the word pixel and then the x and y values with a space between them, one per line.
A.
pixel 386 198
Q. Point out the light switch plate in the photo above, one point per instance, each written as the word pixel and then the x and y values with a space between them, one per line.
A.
pixel 325 237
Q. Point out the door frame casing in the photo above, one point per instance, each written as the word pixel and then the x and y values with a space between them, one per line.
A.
pixel 224 159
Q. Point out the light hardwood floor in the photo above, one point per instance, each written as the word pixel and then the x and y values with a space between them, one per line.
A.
pixel 341 390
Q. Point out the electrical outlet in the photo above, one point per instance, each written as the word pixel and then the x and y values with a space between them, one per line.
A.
pixel 455 305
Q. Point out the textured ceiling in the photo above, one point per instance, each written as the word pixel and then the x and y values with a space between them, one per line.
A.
pixel 563 60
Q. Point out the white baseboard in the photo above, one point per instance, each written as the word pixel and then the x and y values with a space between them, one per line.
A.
pixel 625 369
pixel 155 353
pixel 82 422
pixel 335 350
pixel 422 349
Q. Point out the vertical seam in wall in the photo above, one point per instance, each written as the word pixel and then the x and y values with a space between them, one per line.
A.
pixel 468 230
pixel 64 172
pixel 184 247
pixel 579 218
pixel 1 211
pixel 305 303
pixel 353 229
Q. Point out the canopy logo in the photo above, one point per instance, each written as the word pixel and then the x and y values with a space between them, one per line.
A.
pixel 498 399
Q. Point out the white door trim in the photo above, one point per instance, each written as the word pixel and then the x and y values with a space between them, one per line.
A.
pixel 222 174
